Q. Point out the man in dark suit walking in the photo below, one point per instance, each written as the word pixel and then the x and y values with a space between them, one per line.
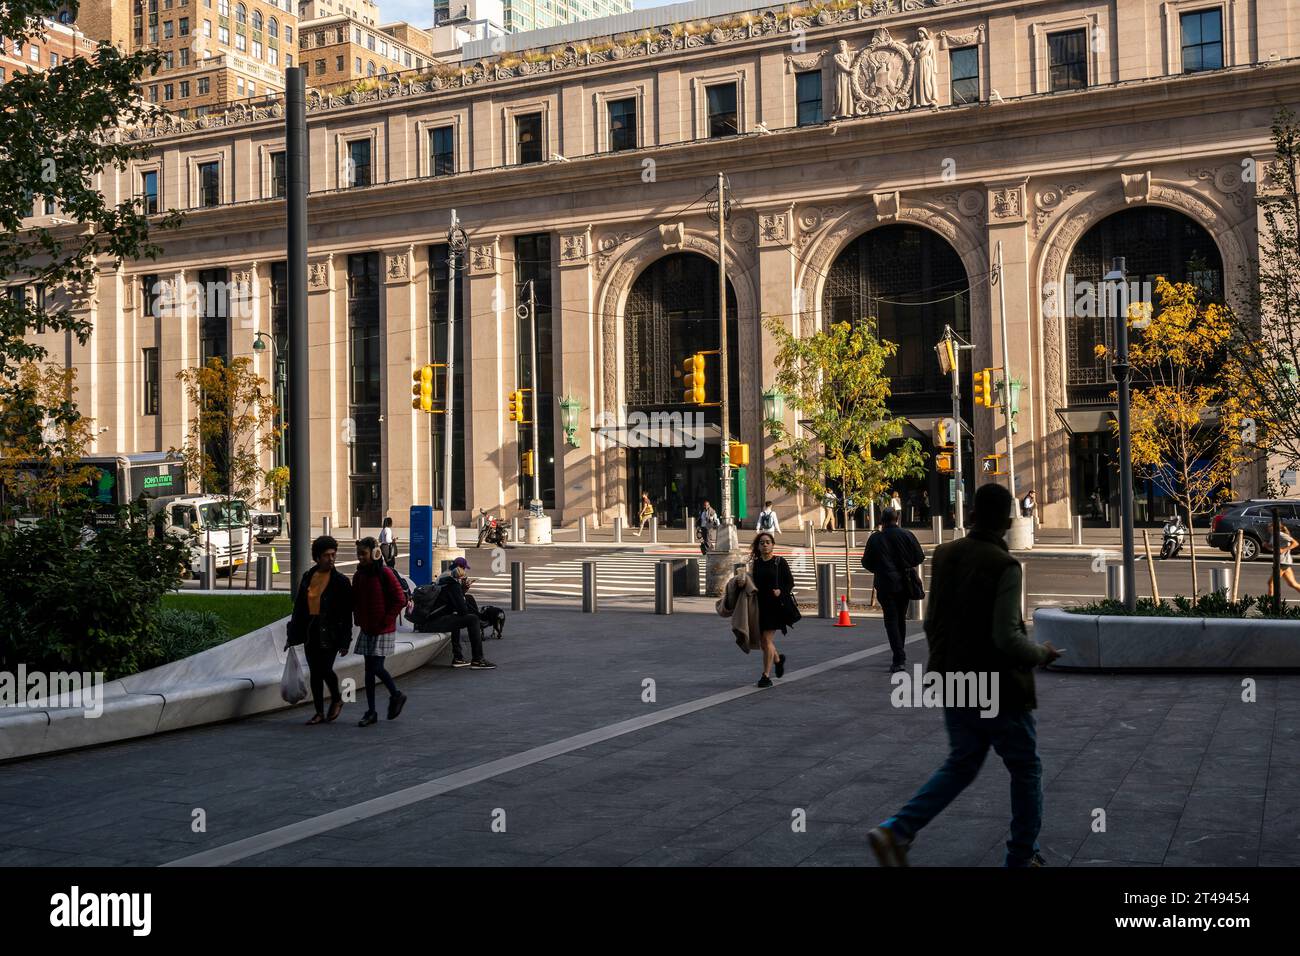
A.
pixel 892 553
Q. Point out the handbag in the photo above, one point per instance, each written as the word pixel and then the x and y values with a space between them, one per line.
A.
pixel 911 578
pixel 789 609
pixel 293 684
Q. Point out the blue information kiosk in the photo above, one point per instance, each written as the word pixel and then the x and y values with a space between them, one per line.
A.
pixel 422 544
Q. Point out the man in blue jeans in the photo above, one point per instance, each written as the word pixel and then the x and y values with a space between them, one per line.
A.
pixel 973 626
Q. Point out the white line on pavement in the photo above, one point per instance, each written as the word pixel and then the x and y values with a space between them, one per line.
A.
pixel 336 819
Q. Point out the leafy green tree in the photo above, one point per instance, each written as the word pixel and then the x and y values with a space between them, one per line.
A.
pixel 835 383
pixel 60 130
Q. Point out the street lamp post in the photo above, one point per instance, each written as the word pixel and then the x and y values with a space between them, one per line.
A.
pixel 773 413
pixel 457 243
pixel 1118 301
pixel 277 350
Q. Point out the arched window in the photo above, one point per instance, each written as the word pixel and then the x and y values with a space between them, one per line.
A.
pixel 370 68
pixel 241 14
pixel 383 71
pixel 257 19
pixel 273 27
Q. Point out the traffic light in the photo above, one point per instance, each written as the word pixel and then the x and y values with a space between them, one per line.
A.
pixel 990 465
pixel 738 454
pixel 983 387
pixel 422 389
pixel 517 405
pixel 943 462
pixel 528 464
pixel 947 357
pixel 693 379
pixel 945 433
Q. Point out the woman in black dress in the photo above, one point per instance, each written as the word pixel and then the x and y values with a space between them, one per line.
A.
pixel 775 586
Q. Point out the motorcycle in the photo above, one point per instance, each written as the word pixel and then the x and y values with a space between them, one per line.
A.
pixel 1174 534
pixel 492 532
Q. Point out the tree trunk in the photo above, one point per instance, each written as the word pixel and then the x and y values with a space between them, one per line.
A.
pixel 1191 544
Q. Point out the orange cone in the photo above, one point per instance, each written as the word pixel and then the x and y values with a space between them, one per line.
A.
pixel 844 613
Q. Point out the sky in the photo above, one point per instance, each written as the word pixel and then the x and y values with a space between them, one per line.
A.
pixel 420 12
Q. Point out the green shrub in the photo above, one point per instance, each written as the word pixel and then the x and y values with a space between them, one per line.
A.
pixel 182 633
pixel 72 600
pixel 1214 604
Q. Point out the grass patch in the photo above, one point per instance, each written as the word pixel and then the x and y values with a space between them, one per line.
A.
pixel 238 613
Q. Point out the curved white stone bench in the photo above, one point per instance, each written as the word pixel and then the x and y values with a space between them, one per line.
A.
pixel 237 679
pixel 1116 642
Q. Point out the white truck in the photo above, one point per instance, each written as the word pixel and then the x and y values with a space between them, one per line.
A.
pixel 212 525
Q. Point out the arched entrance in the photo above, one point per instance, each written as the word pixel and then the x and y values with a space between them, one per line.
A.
pixel 1154 241
pixel 913 283
pixel 674 451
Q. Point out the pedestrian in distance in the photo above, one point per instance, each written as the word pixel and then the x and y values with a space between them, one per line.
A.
pixel 706 527
pixel 647 512
pixel 973 626
pixel 1028 504
pixel 388 543
pixel 767 520
pixel 774 584
pixel 896 503
pixel 1285 560
pixel 451 612
pixel 322 621
pixel 377 600
pixel 893 554
pixel 827 518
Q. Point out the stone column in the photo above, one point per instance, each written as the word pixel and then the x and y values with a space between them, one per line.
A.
pixel 577 346
pixel 327 401
pixel 491 446
pixel 178 349
pixel 776 279
pixel 404 347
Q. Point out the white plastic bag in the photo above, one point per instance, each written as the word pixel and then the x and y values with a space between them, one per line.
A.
pixel 293 684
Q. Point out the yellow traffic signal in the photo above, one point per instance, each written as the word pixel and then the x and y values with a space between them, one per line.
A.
pixel 693 379
pixel 983 387
pixel 422 389
pixel 738 454
pixel 516 406
pixel 943 463
pixel 991 465
pixel 528 464
pixel 943 433
pixel 947 358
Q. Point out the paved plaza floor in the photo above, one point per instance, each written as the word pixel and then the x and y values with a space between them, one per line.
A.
pixel 560 757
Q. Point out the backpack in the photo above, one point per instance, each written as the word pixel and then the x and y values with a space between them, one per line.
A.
pixel 426 602
pixel 765 521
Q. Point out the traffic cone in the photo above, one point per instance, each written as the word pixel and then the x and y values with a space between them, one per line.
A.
pixel 843 620
pixel 275 563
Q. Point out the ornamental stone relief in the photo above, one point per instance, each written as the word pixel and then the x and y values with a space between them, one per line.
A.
pixel 774 228
pixel 1227 180
pixel 398 267
pixel 318 274
pixel 893 73
pixel 1007 203
pixel 1048 200
pixel 483 258
pixel 573 248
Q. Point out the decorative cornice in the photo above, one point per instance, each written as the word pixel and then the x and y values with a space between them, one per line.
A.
pixel 561 58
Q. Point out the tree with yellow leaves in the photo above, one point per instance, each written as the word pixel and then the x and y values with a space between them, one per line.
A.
pixel 44 439
pixel 1183 420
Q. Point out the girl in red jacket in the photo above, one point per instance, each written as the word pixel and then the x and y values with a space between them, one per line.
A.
pixel 377 600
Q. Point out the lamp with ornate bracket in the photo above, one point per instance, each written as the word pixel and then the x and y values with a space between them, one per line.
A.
pixel 570 408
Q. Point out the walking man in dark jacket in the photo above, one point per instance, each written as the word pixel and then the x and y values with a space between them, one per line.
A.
pixel 451 612
pixel 973 625
pixel 891 553
pixel 322 620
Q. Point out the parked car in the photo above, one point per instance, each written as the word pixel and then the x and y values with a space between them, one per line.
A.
pixel 1255 520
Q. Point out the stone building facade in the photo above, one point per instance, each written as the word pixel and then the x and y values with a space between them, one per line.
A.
pixel 877 154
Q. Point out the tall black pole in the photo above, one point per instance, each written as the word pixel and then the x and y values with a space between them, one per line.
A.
pixel 295 138
pixel 1119 301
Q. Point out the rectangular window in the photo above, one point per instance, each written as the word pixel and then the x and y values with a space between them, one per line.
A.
pixel 169 92
pixel 153 94
pixel 439 290
pixel 288 59
pixel 185 26
pixel 365 384
pixel 273 56
pixel 239 85
pixel 808 97
pixel 358 66
pixel 36 54
pixel 209 184
pixel 1067 60
pixel 359 163
pixel 54 59
pixel 320 67
pixel 185 89
pixel 622 124
pixel 1202 33
pixel 532 255
pixel 169 30
pixel 207 28
pixel 185 56
pixel 965 63
pixel 151 381
pixel 528 138
pixel 149 191
pixel 279 176
pixel 722 110
pixel 257 49
pixel 205 85
pixel 223 35
pixel 442 156
pixel 241 42
pixel 338 64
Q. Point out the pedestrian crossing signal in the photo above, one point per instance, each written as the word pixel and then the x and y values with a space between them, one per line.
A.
pixel 422 390
pixel 693 379
pixel 738 455
pixel 991 465
pixel 983 387
pixel 528 464
pixel 943 463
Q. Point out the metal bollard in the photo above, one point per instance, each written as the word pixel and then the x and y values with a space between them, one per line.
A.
pixel 582 529
pixel 208 572
pixel 588 587
pixel 517 600
pixel 654 529
pixel 514 529
pixel 664 587
pixel 686 525
pixel 264 572
pixel 325 524
pixel 693 588
pixel 1115 582
pixel 916 610
pixel 853 534
pixel 1221 580
pixel 937 523
pixel 618 529
pixel 826 590
pixel 1078 529
pixel 356 529
pixel 807 534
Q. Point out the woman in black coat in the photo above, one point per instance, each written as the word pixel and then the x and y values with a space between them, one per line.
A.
pixel 322 621
pixel 774 583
